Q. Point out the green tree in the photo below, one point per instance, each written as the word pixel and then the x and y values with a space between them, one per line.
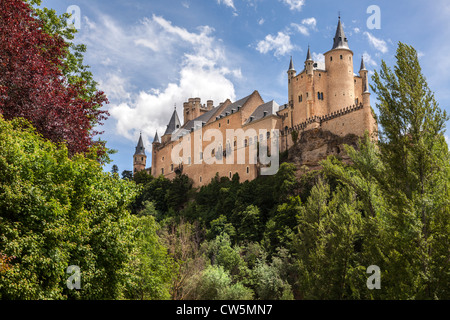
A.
pixel 151 269
pixel 56 212
pixel 403 184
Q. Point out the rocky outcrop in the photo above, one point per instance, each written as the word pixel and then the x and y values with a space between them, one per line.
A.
pixel 316 145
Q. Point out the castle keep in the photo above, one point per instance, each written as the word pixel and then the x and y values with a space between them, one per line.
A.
pixel 325 96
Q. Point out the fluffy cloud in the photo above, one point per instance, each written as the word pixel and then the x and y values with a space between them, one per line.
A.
pixel 368 60
pixel 280 44
pixel 294 4
pixel 179 64
pixel 378 44
pixel 307 25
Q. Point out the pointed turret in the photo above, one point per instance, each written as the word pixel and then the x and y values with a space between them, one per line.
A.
pixel 308 55
pixel 156 138
pixel 309 63
pixel 291 65
pixel 174 123
pixel 363 65
pixel 340 40
pixel 140 149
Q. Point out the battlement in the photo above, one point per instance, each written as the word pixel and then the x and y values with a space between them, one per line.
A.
pixel 318 120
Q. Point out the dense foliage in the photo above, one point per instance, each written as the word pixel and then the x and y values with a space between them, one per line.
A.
pixel 57 211
pixel 43 79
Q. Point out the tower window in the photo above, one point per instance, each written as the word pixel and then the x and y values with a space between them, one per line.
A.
pixel 248 170
pixel 318 95
pixel 200 179
pixel 331 58
pixel 342 57
pixel 228 121
pixel 162 171
pixel 300 98
pixel 321 96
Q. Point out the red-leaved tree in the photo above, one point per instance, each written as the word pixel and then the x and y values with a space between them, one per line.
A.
pixel 33 86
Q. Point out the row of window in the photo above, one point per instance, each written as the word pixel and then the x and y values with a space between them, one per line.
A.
pixel 319 96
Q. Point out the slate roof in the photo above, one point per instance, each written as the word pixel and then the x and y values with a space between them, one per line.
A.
pixel 340 40
pixel 174 123
pixel 264 110
pixel 140 149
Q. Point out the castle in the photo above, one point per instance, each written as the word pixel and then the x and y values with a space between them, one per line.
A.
pixel 326 96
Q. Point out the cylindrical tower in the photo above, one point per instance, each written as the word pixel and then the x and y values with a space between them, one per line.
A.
pixel 291 75
pixel 340 77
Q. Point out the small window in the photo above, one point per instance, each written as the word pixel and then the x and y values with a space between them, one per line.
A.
pixel 230 174
pixel 201 155
pixel 268 135
pixel 321 96
pixel 331 58
pixel 200 179
pixel 219 125
pixel 342 57
pixel 318 95
pixel 189 160
pixel 162 171
pixel 228 121
pixel 162 159
pixel 171 167
pixel 248 170
pixel 213 152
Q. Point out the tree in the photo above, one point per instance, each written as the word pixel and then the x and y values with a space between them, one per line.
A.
pixel 114 169
pixel 151 269
pixel 403 185
pixel 57 212
pixel 35 82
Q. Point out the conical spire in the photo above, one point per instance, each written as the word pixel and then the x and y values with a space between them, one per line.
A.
pixel 140 149
pixel 308 55
pixel 156 138
pixel 174 123
pixel 363 65
pixel 340 41
pixel 291 65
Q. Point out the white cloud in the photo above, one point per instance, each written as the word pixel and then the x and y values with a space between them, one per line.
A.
pixel 356 30
pixel 185 4
pixel 311 22
pixel 368 60
pixel 261 21
pixel 378 44
pixel 280 44
pixel 307 25
pixel 228 3
pixel 300 28
pixel 154 44
pixel 294 4
pixel 318 57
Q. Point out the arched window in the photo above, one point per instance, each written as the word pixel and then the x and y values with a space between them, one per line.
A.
pixel 321 96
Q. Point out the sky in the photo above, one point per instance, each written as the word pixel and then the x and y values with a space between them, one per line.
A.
pixel 151 56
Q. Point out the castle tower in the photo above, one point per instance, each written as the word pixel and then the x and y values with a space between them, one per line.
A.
pixel 291 74
pixel 173 126
pixel 363 73
pixel 139 158
pixel 339 66
pixel 155 145
pixel 310 99
pixel 309 63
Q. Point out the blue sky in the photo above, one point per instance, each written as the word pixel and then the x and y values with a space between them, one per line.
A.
pixel 150 55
